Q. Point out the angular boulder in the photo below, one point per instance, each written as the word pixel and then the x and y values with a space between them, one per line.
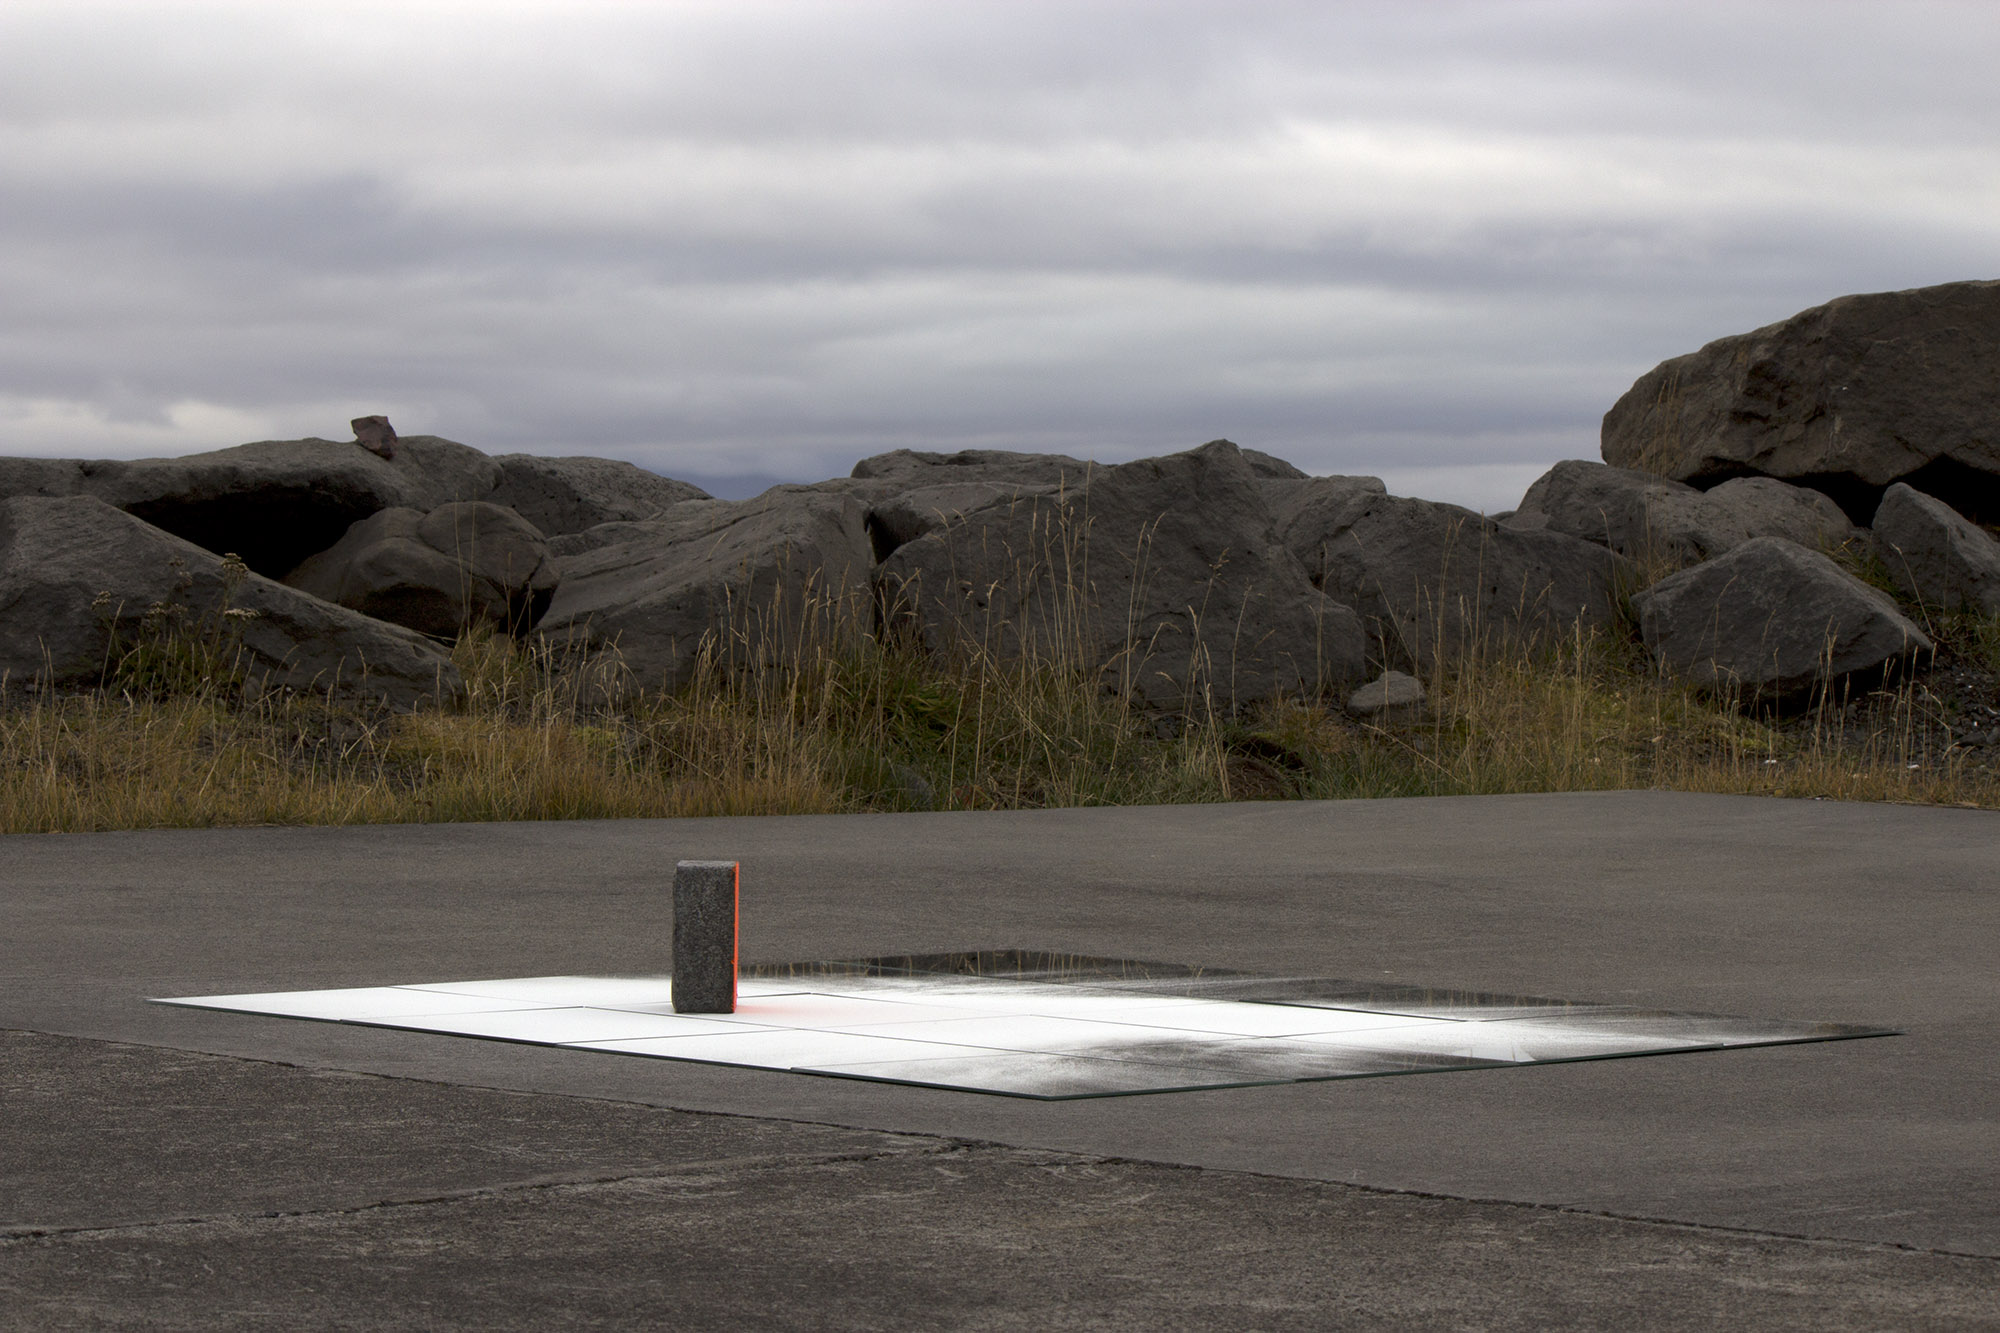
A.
pixel 898 519
pixel 76 572
pixel 913 468
pixel 274 502
pixel 1436 579
pixel 1772 619
pixel 1935 554
pixel 1846 398
pixel 1661 522
pixel 439 573
pixel 562 495
pixel 747 582
pixel 1164 575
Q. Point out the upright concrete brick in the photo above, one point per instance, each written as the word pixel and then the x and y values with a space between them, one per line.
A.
pixel 705 937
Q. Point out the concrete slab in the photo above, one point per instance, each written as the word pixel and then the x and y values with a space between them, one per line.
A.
pixel 1801 910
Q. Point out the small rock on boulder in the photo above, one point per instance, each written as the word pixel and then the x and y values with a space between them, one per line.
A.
pixel 1935 554
pixel 437 573
pixel 375 434
pixel 58 555
pixel 1772 619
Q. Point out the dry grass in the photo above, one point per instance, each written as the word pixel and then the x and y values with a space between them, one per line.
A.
pixel 173 740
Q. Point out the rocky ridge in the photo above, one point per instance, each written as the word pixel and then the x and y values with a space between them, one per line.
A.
pixel 1213 578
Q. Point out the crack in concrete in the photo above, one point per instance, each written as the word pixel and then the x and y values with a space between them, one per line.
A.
pixel 942 1145
pixel 16 1235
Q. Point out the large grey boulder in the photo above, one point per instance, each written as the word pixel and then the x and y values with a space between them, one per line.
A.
pixel 74 570
pixel 1661 522
pixel 907 515
pixel 1439 579
pixel 1846 397
pixel 1165 575
pixel 1935 555
pixel 1772 619
pixel 748 582
pixel 274 502
pixel 1310 513
pixel 439 573
pixel 561 495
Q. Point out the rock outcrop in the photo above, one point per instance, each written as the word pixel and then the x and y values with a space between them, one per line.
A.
pixel 1846 398
pixel 274 502
pixel 79 577
pixel 1165 575
pixel 1659 522
pixel 439 573
pixel 1771 619
pixel 747 582
pixel 1935 555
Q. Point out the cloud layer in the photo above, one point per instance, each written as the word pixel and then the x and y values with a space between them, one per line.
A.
pixel 743 241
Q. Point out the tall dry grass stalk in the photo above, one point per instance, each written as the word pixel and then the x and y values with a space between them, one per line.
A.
pixel 835 720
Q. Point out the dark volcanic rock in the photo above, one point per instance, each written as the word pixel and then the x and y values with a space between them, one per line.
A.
pixel 57 556
pixel 437 573
pixel 1435 577
pixel 375 434
pixel 561 495
pixel 1164 574
pixel 1772 619
pixel 1847 398
pixel 274 502
pixel 1935 555
pixel 750 581
pixel 1657 521
pixel 915 467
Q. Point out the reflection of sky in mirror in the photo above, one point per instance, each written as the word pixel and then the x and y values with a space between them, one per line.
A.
pixel 1093 1036
pixel 748 241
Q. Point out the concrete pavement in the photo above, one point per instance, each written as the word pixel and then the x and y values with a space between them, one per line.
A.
pixel 1828 1185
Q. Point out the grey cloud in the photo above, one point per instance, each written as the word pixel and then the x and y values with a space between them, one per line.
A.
pixel 752 240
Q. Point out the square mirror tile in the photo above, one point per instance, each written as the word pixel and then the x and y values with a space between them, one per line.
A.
pixel 1043 1025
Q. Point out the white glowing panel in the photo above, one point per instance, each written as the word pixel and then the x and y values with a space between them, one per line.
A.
pixel 1032 1037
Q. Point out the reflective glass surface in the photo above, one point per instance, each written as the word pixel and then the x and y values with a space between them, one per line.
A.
pixel 1045 1025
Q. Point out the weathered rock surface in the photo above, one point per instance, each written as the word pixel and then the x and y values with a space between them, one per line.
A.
pixel 752 581
pixel 1656 521
pixel 438 573
pixel 561 495
pixel 1773 619
pixel 907 515
pixel 1935 554
pixel 910 492
pixel 1165 574
pixel 1847 398
pixel 916 467
pixel 1435 577
pixel 274 502
pixel 58 554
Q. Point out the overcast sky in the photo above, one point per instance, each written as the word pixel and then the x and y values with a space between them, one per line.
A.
pixel 739 242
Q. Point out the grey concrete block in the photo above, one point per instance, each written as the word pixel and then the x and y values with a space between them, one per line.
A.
pixel 705 937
